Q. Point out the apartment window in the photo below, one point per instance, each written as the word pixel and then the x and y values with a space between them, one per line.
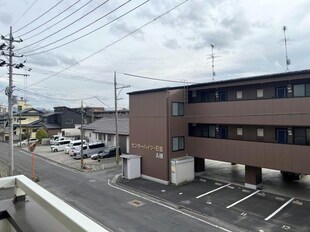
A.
pixel 302 90
pixel 178 143
pixel 260 132
pixel 212 131
pixel 239 94
pixel 20 108
pixel 205 131
pixel 208 97
pixel 177 109
pixel 239 131
pixel 194 93
pixel 260 93
pixel 34 130
pixel 223 96
pixel 281 92
pixel 302 136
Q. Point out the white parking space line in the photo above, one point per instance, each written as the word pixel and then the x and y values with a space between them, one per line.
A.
pixel 237 202
pixel 212 191
pixel 279 209
pixel 168 207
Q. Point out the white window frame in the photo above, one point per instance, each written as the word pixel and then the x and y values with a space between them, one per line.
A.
pixel 239 94
pixel 260 93
pixel 176 145
pixel 239 131
pixel 177 108
pixel 260 132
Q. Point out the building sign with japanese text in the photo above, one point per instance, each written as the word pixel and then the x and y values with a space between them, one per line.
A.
pixel 148 147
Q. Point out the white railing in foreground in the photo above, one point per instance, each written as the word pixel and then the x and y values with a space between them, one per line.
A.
pixel 64 213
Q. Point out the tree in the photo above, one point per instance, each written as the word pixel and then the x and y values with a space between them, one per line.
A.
pixel 41 134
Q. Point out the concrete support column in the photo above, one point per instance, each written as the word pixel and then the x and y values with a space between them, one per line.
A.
pixel 199 165
pixel 253 177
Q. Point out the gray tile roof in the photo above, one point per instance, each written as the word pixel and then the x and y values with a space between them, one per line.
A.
pixel 107 125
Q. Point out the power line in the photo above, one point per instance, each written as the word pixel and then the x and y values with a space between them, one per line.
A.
pixel 73 77
pixel 106 24
pixel 39 16
pixel 49 27
pixel 157 79
pixel 54 98
pixel 111 44
pixel 61 29
pixel 49 20
pixel 26 11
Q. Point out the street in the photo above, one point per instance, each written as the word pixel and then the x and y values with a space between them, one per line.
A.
pixel 110 206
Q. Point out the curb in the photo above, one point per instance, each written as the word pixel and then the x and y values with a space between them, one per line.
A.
pixel 50 160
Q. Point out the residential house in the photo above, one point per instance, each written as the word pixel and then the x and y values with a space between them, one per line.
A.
pixel 26 121
pixel 104 130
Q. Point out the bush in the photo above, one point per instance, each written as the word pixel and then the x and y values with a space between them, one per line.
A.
pixel 41 134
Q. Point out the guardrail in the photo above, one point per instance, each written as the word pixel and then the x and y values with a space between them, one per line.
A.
pixel 61 211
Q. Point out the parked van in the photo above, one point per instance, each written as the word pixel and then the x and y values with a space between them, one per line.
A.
pixel 91 149
pixel 73 144
pixel 56 138
pixel 60 145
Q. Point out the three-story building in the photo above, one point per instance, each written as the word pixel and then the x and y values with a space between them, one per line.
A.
pixel 260 122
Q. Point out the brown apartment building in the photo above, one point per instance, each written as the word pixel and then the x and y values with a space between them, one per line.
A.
pixel 260 122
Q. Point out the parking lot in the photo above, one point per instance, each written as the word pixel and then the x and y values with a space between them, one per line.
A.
pixel 66 160
pixel 253 210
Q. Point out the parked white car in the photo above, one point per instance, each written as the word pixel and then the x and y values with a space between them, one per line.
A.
pixel 73 144
pixel 90 150
pixel 25 142
pixel 60 145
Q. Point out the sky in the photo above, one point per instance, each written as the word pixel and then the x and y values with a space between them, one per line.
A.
pixel 247 38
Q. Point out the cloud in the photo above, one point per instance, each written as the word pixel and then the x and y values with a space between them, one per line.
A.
pixel 52 60
pixel 122 28
pixel 5 18
pixel 172 44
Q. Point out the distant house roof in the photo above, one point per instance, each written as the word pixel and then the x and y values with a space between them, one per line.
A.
pixel 30 112
pixel 51 113
pixel 107 125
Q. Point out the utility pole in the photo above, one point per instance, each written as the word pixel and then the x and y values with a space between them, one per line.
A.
pixel 82 136
pixel 9 92
pixel 287 60
pixel 116 121
pixel 116 116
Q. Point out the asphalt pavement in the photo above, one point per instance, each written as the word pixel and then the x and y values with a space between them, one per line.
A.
pixel 113 207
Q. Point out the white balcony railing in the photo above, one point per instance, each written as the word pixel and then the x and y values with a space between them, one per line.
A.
pixel 72 219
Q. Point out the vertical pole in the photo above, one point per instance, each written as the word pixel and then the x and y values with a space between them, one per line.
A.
pixel 82 136
pixel 10 103
pixel 285 43
pixel 212 56
pixel 116 121
pixel 20 131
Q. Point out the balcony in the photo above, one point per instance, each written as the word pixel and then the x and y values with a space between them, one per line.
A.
pixel 278 112
pixel 286 157
pixel 40 211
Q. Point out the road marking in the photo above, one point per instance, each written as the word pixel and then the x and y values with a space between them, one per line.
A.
pixel 237 202
pixel 170 207
pixel 278 210
pixel 212 191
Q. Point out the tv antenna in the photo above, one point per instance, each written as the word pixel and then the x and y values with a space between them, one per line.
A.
pixel 287 60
